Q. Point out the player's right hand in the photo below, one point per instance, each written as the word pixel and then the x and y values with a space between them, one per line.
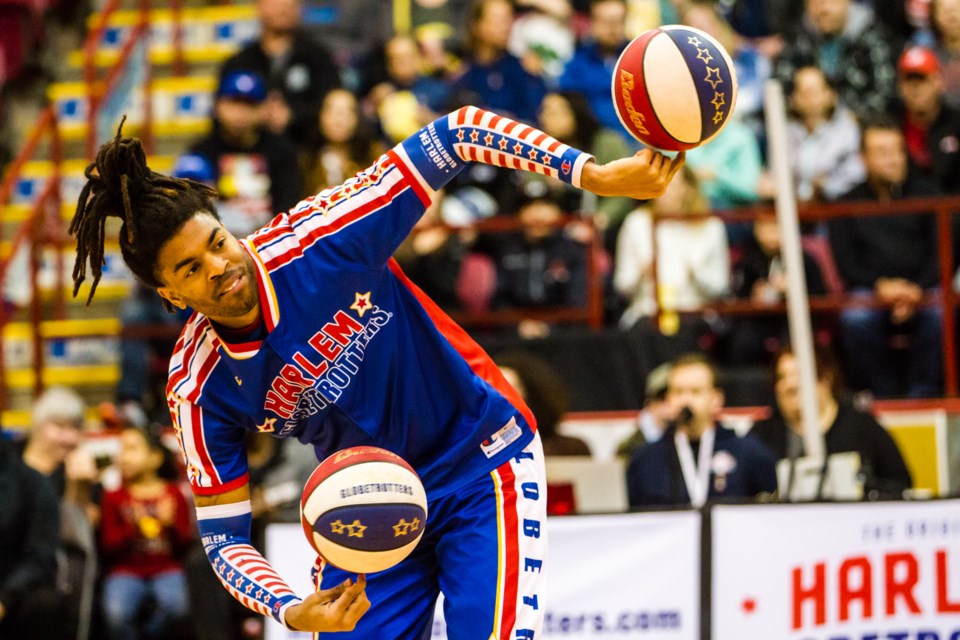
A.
pixel 336 609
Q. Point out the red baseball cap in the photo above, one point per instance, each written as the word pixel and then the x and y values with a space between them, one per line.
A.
pixel 919 60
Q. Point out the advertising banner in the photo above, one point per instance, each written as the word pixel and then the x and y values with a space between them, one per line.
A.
pixel 879 571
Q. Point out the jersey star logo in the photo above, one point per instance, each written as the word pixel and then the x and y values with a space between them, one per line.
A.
pixel 474 136
pixel 258 594
pixel 502 143
pixel 694 40
pixel 238 581
pixel 532 154
pixel 403 527
pixel 546 158
pixel 361 303
pixel 267 426
pixel 718 100
pixel 517 149
pixel 230 575
pixel 713 77
pixel 488 139
pixel 249 588
pixel 173 402
pixel 704 54
pixel 460 135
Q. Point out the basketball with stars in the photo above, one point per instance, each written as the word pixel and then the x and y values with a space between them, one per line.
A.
pixel 674 88
pixel 363 509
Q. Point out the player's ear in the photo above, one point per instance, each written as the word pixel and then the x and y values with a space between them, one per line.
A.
pixel 170 296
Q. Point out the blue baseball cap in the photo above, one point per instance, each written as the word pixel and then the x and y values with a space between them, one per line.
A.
pixel 192 166
pixel 242 85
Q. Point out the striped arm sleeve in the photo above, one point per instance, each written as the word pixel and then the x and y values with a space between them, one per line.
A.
pixel 439 150
pixel 243 571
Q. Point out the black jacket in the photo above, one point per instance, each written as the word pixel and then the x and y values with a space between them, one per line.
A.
pixel 881 463
pixel 943 139
pixel 304 78
pixel 29 529
pixel 892 246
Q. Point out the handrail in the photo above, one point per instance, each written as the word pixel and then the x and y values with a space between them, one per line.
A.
pixel 46 124
pixel 99 90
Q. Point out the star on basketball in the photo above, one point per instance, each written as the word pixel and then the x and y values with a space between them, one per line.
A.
pixel 713 77
pixel 695 41
pixel 717 117
pixel 704 54
pixel 718 100
pixel 361 303
pixel 403 527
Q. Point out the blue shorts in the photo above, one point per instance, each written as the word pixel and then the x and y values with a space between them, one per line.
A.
pixel 484 547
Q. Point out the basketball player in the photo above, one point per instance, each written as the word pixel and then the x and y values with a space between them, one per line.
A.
pixel 308 329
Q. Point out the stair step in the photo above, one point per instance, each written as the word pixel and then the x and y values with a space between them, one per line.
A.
pixel 181 107
pixel 210 34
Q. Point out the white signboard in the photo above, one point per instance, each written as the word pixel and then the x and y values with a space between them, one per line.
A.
pixel 624 576
pixel 882 571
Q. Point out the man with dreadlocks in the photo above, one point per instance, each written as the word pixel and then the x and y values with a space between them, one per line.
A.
pixel 308 329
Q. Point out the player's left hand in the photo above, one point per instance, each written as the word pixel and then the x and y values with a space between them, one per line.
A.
pixel 642 176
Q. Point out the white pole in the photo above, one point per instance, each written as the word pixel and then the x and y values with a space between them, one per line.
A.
pixel 798 310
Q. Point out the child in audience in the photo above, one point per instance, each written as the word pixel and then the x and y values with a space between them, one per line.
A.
pixel 145 528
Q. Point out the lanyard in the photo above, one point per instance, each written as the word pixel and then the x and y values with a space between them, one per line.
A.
pixel 696 475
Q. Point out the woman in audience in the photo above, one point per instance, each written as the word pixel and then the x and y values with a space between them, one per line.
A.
pixel 823 138
pixel 344 143
pixel 845 428
pixel 145 529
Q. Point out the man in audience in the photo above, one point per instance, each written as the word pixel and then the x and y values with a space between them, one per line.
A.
pixel 697 459
pixel 656 413
pixel 30 606
pixel 855 51
pixel 298 71
pixel 931 127
pixel 255 169
pixel 893 259
pixel 590 71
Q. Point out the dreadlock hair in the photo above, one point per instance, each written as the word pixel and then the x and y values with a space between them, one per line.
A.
pixel 152 206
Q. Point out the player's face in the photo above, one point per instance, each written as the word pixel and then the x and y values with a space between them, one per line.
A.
pixel 204 267
pixel 692 386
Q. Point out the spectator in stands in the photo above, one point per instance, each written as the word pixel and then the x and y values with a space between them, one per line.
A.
pixel 656 413
pixel 541 266
pixel 566 116
pixel 698 459
pixel 433 254
pixel 343 143
pixel 545 392
pixel 298 71
pixel 144 532
pixel 759 275
pixel 752 67
pixel 945 33
pixel 692 268
pixel 590 71
pixel 855 51
pixel 823 139
pixel 931 127
pixel 52 448
pixel 892 259
pixel 542 37
pixel 845 428
pixel 253 167
pixel 407 99
pixel 30 606
pixel 493 78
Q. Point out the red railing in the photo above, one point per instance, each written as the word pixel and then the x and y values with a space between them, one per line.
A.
pixel 100 89
pixel 942 208
pixel 43 227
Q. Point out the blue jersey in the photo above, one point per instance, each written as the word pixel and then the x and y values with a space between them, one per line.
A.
pixel 354 354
